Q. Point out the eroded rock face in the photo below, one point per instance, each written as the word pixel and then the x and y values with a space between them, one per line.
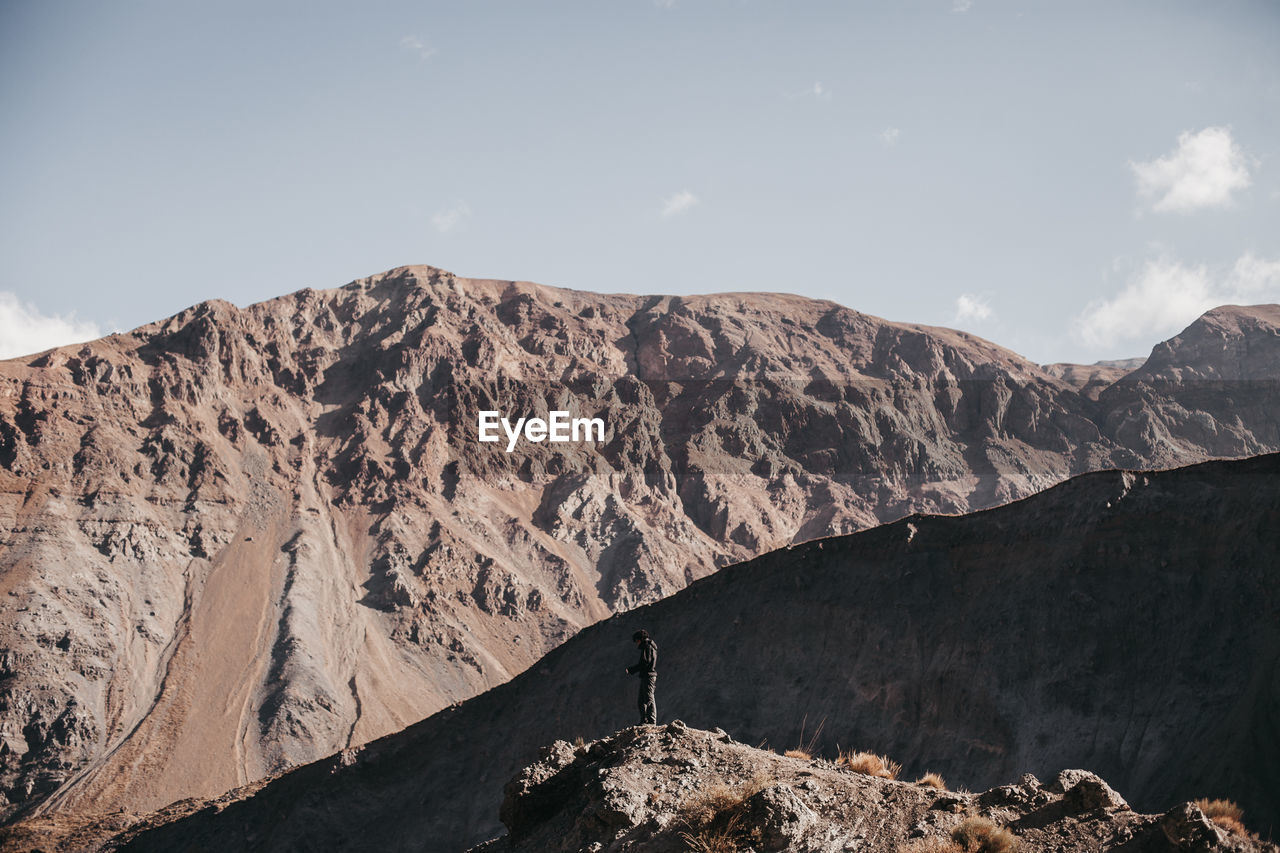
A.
pixel 241 539
pixel 779 818
pixel 1128 623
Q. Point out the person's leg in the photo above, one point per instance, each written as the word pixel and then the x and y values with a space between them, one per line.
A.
pixel 649 700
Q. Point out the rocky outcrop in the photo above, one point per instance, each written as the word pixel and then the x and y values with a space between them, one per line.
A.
pixel 1091 379
pixel 241 539
pixel 669 789
pixel 1123 622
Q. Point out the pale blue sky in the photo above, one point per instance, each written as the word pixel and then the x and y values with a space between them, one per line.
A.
pixel 1074 180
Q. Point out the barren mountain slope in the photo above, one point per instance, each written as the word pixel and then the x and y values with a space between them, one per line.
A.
pixel 1232 342
pixel 240 539
pixel 1126 623
pixel 1092 379
pixel 1228 361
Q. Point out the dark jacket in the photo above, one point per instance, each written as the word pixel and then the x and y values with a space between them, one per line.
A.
pixel 648 664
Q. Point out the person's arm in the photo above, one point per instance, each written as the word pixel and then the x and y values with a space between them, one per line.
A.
pixel 649 657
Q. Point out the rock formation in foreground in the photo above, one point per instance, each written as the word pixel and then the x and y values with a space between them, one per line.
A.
pixel 673 789
pixel 241 539
pixel 1123 622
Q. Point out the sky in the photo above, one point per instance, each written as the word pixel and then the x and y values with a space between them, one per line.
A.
pixel 1074 180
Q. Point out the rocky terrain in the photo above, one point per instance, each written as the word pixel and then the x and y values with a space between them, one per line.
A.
pixel 1092 379
pixel 672 789
pixel 237 540
pixel 1123 622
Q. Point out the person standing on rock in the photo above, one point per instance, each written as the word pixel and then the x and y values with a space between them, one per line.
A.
pixel 647 669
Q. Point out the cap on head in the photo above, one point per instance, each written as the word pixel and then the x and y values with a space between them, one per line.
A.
pixel 640 635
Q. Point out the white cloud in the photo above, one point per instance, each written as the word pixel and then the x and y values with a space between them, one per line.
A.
pixel 817 90
pixel 24 330
pixel 971 308
pixel 889 136
pixel 961 5
pixel 416 45
pixel 665 4
pixel 679 203
pixel 1255 280
pixel 446 220
pixel 1204 171
pixel 1166 295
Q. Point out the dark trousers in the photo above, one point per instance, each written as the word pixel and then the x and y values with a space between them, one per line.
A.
pixel 647 701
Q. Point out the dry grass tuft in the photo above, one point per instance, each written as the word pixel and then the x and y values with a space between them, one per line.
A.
pixel 721 800
pixel 932 844
pixel 981 835
pixel 1225 814
pixel 1230 824
pixel 932 780
pixel 713 815
pixel 1220 808
pixel 870 764
pixel 806 748
pixel 705 806
pixel 725 839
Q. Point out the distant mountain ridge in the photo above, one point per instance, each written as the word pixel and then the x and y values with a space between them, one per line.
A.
pixel 241 539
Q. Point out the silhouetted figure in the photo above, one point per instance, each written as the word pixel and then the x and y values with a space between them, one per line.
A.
pixel 647 669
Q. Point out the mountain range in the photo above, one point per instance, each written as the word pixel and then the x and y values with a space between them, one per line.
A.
pixel 240 540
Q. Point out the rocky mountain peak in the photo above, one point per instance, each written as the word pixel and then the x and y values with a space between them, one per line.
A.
pixel 1232 342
